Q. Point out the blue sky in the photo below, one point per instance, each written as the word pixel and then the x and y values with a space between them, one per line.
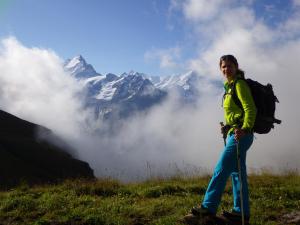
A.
pixel 156 37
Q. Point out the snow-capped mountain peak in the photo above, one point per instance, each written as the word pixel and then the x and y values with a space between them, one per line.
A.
pixel 75 61
pixel 79 68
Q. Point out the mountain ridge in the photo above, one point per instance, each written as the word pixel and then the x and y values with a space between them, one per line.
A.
pixel 27 156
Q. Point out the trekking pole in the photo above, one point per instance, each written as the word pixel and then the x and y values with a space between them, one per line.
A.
pixel 240 178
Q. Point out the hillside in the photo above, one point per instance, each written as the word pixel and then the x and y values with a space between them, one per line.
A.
pixel 27 156
pixel 157 201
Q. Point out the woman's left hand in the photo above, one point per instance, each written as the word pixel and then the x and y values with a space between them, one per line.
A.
pixel 239 133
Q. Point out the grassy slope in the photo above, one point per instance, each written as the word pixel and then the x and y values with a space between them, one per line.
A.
pixel 152 202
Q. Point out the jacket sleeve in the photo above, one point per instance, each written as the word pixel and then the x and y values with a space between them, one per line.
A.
pixel 244 94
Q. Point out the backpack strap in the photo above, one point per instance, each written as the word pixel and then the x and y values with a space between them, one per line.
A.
pixel 234 94
pixel 236 98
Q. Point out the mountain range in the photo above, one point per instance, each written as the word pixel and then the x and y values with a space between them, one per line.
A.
pixel 119 96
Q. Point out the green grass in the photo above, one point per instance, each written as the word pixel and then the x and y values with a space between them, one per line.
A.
pixel 157 201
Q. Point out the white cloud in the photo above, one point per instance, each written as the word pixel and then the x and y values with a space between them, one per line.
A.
pixel 174 5
pixel 196 10
pixel 34 86
pixel 160 142
pixel 290 28
pixel 168 59
pixel 296 2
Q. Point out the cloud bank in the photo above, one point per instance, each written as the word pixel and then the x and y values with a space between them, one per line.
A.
pixel 35 87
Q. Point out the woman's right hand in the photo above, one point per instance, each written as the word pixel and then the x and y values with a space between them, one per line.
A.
pixel 239 133
pixel 222 127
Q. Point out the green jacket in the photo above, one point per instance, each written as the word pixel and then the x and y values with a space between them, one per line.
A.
pixel 234 115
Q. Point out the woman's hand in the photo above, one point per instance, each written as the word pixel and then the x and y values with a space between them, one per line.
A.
pixel 239 133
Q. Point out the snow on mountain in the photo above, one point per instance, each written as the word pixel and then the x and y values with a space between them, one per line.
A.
pixel 115 96
pixel 155 79
pixel 101 87
pixel 134 73
pixel 113 87
pixel 185 81
pixel 94 80
pixel 79 68
pixel 190 86
pixel 132 84
pixel 107 92
pixel 133 92
pixel 186 85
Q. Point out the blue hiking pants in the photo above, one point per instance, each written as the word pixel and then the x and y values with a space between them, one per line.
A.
pixel 226 166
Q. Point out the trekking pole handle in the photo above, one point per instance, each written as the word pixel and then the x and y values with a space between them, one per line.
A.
pixel 224 136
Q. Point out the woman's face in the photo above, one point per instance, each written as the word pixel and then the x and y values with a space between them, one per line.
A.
pixel 228 69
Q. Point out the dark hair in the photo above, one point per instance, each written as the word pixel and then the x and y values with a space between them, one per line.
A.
pixel 232 59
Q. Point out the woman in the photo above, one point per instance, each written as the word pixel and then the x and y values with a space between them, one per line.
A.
pixel 240 120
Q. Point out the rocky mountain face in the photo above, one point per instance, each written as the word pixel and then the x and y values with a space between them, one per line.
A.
pixel 27 155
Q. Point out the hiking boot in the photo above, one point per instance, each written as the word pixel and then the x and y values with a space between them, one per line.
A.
pixel 235 218
pixel 191 219
pixel 201 211
pixel 199 216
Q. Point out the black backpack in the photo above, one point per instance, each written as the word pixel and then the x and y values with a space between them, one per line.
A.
pixel 265 101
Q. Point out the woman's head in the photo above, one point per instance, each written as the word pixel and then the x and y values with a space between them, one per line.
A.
pixel 230 67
